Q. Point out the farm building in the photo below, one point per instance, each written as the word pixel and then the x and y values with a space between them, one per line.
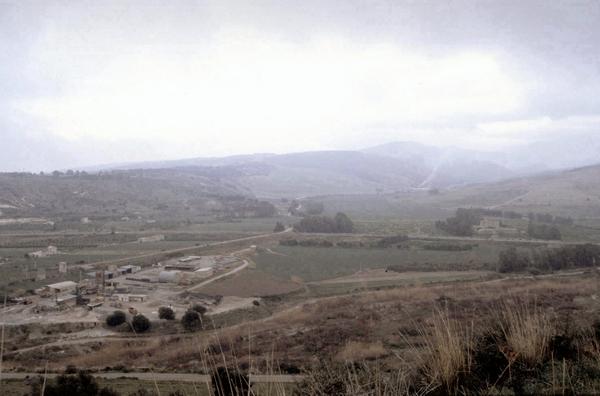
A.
pixel 128 269
pixel 67 300
pixel 61 287
pixel 153 238
pixel 129 297
pixel 49 251
pixel 194 263
pixel 488 222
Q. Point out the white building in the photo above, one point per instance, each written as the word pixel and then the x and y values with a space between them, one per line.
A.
pixel 61 287
pixel 169 277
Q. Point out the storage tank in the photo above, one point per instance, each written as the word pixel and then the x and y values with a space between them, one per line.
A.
pixel 168 277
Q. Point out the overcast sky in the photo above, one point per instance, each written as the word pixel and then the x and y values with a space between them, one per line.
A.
pixel 83 83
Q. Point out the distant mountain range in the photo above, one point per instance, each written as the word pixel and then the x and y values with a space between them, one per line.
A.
pixel 464 178
pixel 395 166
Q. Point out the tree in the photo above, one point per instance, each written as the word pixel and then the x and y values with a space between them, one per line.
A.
pixel 116 318
pixel 543 231
pixel 343 223
pixel 279 227
pixel 324 224
pixel 511 261
pixel 462 223
pixel 191 321
pixel 166 313
pixel 140 323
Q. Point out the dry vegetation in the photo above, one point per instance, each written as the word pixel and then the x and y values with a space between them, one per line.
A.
pixel 439 339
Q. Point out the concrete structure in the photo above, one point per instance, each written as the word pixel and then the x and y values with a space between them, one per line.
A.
pixel 129 269
pixel 194 263
pixel 67 300
pixel 129 297
pixel 50 251
pixel 488 222
pixel 61 287
pixel 62 267
pixel 153 238
pixel 187 259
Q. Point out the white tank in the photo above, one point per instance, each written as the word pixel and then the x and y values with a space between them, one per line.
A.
pixel 168 277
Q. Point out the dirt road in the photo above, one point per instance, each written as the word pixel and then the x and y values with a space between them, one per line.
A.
pixel 188 249
pixel 209 281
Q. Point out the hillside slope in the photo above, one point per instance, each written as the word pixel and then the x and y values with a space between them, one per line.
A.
pixel 573 193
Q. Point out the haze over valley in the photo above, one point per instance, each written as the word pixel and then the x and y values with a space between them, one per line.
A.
pixel 299 198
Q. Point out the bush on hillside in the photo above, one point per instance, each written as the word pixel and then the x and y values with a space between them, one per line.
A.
pixel 140 323
pixel 191 321
pixel 166 313
pixel 341 223
pixel 116 318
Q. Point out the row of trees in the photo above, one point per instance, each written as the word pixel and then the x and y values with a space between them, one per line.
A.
pixel 139 323
pixel 549 219
pixel 341 223
pixel 576 256
pixel 543 231
pixel 190 321
pixel 461 224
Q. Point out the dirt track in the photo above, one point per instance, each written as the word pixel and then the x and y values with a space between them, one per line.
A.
pixel 188 249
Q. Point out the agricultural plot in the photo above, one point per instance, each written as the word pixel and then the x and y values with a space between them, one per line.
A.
pixel 311 264
pixel 251 283
pixel 382 279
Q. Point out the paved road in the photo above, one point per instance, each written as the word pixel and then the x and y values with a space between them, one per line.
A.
pixel 179 377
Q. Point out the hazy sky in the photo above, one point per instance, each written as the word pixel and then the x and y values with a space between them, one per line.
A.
pixel 93 82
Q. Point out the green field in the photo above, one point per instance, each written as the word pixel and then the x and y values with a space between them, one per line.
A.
pixel 318 263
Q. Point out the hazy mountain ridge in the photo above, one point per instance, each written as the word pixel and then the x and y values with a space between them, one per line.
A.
pixel 392 167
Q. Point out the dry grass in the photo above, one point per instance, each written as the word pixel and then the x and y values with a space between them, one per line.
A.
pixel 446 351
pixel 527 331
pixel 356 351
pixel 353 380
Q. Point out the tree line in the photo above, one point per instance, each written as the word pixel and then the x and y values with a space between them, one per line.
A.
pixel 340 223
pixel 575 256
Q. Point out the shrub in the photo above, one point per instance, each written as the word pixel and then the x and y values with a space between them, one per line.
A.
pixel 511 260
pixel 82 384
pixel 279 227
pixel 543 231
pixel 140 323
pixel 201 309
pixel 191 321
pixel 341 223
pixel 448 348
pixel 461 224
pixel 227 382
pixel 391 240
pixel 527 332
pixel 116 318
pixel 166 313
